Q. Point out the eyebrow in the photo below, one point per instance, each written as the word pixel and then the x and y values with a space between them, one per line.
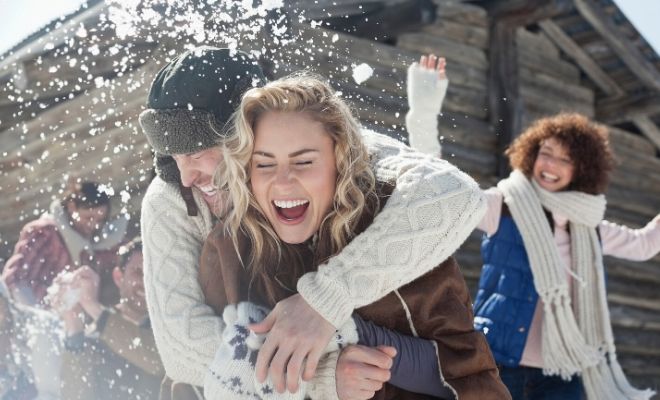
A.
pixel 291 155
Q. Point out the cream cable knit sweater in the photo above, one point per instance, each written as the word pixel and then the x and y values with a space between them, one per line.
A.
pixel 431 212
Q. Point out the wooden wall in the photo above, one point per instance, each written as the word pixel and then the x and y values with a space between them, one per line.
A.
pixel 95 134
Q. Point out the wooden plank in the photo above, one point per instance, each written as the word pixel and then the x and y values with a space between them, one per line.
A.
pixel 615 111
pixel 558 87
pixel 648 129
pixel 460 32
pixel 630 55
pixel 453 51
pixel 568 46
pixel 464 13
pixel 620 138
pixel 549 65
pixel 536 42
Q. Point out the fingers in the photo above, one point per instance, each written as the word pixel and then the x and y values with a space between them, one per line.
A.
pixel 293 371
pixel 388 350
pixel 263 359
pixel 278 369
pixel 312 363
pixel 266 325
pixel 422 61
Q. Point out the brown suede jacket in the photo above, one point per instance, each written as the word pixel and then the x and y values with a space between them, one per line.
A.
pixel 439 304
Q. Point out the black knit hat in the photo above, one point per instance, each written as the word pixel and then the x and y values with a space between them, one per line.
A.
pixel 191 100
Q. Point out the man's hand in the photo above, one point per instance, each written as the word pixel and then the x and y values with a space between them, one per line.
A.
pixel 296 334
pixel 362 371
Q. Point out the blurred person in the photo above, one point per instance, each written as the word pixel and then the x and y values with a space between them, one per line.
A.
pixel 76 231
pixel 542 292
pixel 115 357
pixel 30 351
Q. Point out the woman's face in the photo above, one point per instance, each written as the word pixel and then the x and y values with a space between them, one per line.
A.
pixel 293 173
pixel 553 168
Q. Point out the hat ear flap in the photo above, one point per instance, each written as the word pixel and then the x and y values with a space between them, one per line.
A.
pixel 166 168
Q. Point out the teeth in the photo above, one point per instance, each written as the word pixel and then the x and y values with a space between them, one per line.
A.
pixel 208 189
pixel 549 176
pixel 289 203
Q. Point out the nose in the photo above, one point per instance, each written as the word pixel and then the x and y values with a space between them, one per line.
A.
pixel 188 173
pixel 283 176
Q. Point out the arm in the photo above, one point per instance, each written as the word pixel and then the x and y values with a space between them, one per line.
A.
pixel 631 244
pixel 186 330
pixel 415 366
pixel 426 86
pixel 431 212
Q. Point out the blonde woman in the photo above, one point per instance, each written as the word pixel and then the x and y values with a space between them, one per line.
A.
pixel 298 175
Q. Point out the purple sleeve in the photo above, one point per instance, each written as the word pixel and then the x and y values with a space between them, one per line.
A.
pixel 415 367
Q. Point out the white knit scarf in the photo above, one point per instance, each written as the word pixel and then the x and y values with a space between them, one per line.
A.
pixel 572 344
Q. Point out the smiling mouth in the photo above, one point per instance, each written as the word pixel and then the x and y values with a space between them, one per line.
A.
pixel 291 210
pixel 549 177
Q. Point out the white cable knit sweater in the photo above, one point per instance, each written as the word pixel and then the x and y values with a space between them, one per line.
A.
pixel 431 212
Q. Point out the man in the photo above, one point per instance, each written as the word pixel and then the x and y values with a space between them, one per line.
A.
pixel 116 357
pixel 76 231
pixel 431 212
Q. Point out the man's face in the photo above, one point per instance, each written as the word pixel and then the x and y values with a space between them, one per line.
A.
pixel 197 171
pixel 87 221
pixel 131 285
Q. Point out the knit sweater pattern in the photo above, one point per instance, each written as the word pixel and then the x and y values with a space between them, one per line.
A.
pixel 431 212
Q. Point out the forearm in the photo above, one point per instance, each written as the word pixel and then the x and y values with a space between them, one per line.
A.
pixel 415 366
pixel 429 215
pixel 631 244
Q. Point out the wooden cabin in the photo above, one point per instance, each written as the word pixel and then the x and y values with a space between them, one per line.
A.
pixel 71 94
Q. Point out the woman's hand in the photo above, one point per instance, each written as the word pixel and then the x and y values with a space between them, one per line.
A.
pixel 362 371
pixel 296 334
pixel 426 88
pixel 431 62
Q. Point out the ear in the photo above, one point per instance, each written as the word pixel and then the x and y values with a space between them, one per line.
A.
pixel 117 276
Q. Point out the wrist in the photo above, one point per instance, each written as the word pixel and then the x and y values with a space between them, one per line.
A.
pixel 93 309
pixel 73 324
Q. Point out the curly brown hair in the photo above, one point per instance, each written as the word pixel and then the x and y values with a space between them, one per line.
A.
pixel 587 143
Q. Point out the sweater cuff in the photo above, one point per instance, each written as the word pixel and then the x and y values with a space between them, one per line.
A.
pixel 326 296
pixel 324 384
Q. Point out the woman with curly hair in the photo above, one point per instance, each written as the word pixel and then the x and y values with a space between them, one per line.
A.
pixel 541 300
pixel 298 175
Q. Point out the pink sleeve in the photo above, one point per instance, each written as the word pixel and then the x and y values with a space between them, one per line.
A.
pixel 491 221
pixel 631 244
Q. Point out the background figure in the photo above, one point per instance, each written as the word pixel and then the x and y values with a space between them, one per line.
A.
pixel 541 301
pixel 116 357
pixel 76 231
pixel 30 351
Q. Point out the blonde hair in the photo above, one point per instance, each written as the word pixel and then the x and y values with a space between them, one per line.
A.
pixel 355 187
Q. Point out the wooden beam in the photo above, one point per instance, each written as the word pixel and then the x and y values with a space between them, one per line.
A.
pixel 624 48
pixel 386 22
pixel 517 13
pixel 588 65
pixel 615 111
pixel 648 129
pixel 505 103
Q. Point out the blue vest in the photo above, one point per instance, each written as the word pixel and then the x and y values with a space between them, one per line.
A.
pixel 506 300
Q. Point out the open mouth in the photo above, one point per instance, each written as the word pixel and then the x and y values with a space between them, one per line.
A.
pixel 208 190
pixel 291 211
pixel 548 177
